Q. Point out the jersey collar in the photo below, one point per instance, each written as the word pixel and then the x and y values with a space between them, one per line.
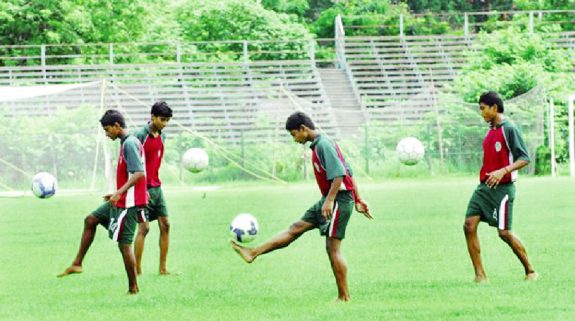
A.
pixel 123 139
pixel 315 141
pixel 504 121
pixel 147 129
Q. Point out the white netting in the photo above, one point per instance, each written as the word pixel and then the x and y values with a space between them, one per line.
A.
pixel 56 129
pixel 451 129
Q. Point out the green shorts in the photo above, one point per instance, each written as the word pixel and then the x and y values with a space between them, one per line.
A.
pixel 335 227
pixel 493 205
pixel 156 203
pixel 120 222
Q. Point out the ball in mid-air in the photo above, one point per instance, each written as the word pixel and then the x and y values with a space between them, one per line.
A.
pixel 410 151
pixel 195 160
pixel 44 185
pixel 244 228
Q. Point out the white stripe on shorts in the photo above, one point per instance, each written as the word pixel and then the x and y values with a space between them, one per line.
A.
pixel 334 217
pixel 120 223
pixel 502 213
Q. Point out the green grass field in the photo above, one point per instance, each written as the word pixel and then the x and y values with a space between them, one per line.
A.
pixel 410 263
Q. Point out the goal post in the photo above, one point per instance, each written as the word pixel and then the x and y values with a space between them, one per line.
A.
pixel 571 136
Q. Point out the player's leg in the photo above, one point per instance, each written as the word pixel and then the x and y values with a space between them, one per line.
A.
pixel 470 230
pixel 504 222
pixel 339 267
pixel 164 225
pixel 277 242
pixel 90 225
pixel 143 229
pixel 335 233
pixel 122 231
pixel 519 250
pixel 130 266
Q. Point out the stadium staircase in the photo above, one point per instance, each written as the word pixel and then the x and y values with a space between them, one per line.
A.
pixel 346 108
pixel 390 70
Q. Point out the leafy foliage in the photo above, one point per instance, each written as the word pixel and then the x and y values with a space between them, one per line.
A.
pixel 236 20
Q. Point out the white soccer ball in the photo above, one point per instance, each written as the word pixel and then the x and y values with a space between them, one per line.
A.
pixel 244 228
pixel 195 160
pixel 44 185
pixel 410 151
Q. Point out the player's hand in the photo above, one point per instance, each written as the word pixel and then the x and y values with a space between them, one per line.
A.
pixel 327 209
pixel 362 207
pixel 493 178
pixel 112 198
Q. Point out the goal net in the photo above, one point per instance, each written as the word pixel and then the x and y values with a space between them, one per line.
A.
pixel 451 130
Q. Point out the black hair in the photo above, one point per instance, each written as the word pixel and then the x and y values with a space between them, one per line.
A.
pixel 161 109
pixel 491 98
pixel 297 119
pixel 111 117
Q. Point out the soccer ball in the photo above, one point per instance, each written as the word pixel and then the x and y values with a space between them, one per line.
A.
pixel 244 228
pixel 195 160
pixel 44 185
pixel 410 151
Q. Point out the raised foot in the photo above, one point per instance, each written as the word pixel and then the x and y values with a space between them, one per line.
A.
pixel 244 252
pixel 72 269
pixel 533 276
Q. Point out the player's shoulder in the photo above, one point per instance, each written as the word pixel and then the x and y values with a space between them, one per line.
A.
pixel 325 142
pixel 132 140
pixel 509 126
pixel 141 133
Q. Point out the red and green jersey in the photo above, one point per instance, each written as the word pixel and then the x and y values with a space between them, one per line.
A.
pixel 328 163
pixel 502 146
pixel 154 151
pixel 131 160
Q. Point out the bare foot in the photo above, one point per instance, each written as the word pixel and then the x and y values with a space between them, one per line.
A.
pixel 133 291
pixel 342 300
pixel 166 272
pixel 533 276
pixel 72 269
pixel 244 252
pixel 480 279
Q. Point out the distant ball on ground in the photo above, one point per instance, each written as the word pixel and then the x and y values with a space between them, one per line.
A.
pixel 195 160
pixel 244 228
pixel 44 185
pixel 410 151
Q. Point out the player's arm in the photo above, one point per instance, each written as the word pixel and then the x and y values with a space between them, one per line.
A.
pixel 518 149
pixel 135 167
pixel 360 204
pixel 327 209
pixel 134 178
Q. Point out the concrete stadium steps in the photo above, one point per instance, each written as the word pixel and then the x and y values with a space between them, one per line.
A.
pixel 219 100
pixel 388 71
pixel 346 108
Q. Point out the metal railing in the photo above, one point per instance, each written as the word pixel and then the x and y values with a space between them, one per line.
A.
pixel 165 52
pixel 456 22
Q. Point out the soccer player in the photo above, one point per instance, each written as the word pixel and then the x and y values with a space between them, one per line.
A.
pixel 504 153
pixel 152 137
pixel 123 209
pixel 331 213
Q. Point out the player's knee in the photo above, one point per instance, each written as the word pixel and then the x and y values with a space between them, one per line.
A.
pixel 91 221
pixel 296 229
pixel 505 235
pixel 469 227
pixel 143 229
pixel 165 226
pixel 331 248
